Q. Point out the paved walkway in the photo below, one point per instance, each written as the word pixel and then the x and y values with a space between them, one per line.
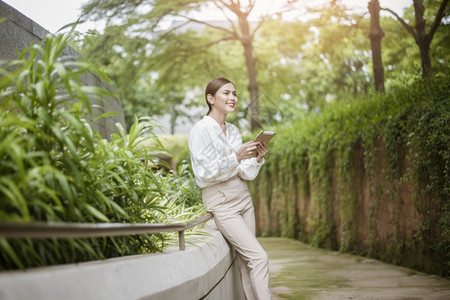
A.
pixel 298 271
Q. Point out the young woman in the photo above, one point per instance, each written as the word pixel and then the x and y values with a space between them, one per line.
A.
pixel 221 164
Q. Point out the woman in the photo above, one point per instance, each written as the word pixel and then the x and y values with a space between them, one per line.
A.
pixel 221 163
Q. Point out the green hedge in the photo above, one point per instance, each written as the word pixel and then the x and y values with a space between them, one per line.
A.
pixel 317 153
pixel 55 167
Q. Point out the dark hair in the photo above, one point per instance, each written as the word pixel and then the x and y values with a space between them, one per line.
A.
pixel 212 88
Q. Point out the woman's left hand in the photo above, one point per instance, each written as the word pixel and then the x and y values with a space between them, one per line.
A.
pixel 262 151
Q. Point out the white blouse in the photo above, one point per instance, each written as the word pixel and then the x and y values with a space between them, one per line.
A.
pixel 213 154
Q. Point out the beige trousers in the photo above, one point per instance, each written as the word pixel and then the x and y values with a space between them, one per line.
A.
pixel 232 206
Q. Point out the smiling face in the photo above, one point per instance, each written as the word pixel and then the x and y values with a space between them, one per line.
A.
pixel 224 100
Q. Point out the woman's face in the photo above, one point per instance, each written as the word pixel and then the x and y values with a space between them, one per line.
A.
pixel 225 100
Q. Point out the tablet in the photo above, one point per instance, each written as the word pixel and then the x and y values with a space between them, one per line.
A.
pixel 264 136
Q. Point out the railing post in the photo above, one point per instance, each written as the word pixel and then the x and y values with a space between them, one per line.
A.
pixel 181 242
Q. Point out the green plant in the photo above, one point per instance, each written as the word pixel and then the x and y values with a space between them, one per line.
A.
pixel 55 167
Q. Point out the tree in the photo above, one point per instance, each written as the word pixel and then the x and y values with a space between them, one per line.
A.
pixel 156 10
pixel 419 31
pixel 375 35
pixel 182 67
pixel 337 58
pixel 302 65
pixel 153 77
pixel 117 54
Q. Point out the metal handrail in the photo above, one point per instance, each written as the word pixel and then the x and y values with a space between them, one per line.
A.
pixel 85 230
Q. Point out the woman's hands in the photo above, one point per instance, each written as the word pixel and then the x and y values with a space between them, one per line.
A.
pixel 249 149
pixel 262 151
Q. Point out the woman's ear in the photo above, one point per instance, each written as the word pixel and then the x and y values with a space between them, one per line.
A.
pixel 210 98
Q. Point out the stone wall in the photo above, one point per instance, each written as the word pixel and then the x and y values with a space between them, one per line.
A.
pixel 366 211
pixel 18 32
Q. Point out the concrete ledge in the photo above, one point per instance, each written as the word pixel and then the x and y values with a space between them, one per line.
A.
pixel 189 274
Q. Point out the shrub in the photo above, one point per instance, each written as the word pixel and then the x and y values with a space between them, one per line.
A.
pixel 55 167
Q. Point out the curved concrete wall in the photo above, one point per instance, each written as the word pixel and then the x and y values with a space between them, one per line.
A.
pixel 18 32
pixel 205 271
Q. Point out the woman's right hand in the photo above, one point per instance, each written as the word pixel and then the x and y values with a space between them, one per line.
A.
pixel 247 150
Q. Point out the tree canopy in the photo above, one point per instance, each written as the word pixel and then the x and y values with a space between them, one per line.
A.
pixel 160 54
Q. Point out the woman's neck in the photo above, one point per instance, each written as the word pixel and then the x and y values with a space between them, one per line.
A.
pixel 220 118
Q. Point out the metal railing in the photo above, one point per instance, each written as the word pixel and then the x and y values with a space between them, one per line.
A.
pixel 87 230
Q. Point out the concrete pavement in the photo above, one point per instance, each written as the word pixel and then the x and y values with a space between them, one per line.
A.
pixel 299 271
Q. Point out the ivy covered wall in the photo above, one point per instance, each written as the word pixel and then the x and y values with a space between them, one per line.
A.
pixel 370 176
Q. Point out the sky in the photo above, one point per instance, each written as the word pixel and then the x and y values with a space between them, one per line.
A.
pixel 54 14
pixel 50 14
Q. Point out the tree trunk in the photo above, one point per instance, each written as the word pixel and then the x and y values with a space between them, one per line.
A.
pixel 173 120
pixel 250 61
pixel 423 40
pixel 419 33
pixel 425 58
pixel 375 35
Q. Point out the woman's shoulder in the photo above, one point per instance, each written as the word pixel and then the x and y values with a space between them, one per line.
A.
pixel 202 123
pixel 200 126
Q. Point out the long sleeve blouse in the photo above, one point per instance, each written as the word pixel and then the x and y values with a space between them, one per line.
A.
pixel 213 154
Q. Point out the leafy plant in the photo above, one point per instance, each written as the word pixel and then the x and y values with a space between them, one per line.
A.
pixel 55 167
